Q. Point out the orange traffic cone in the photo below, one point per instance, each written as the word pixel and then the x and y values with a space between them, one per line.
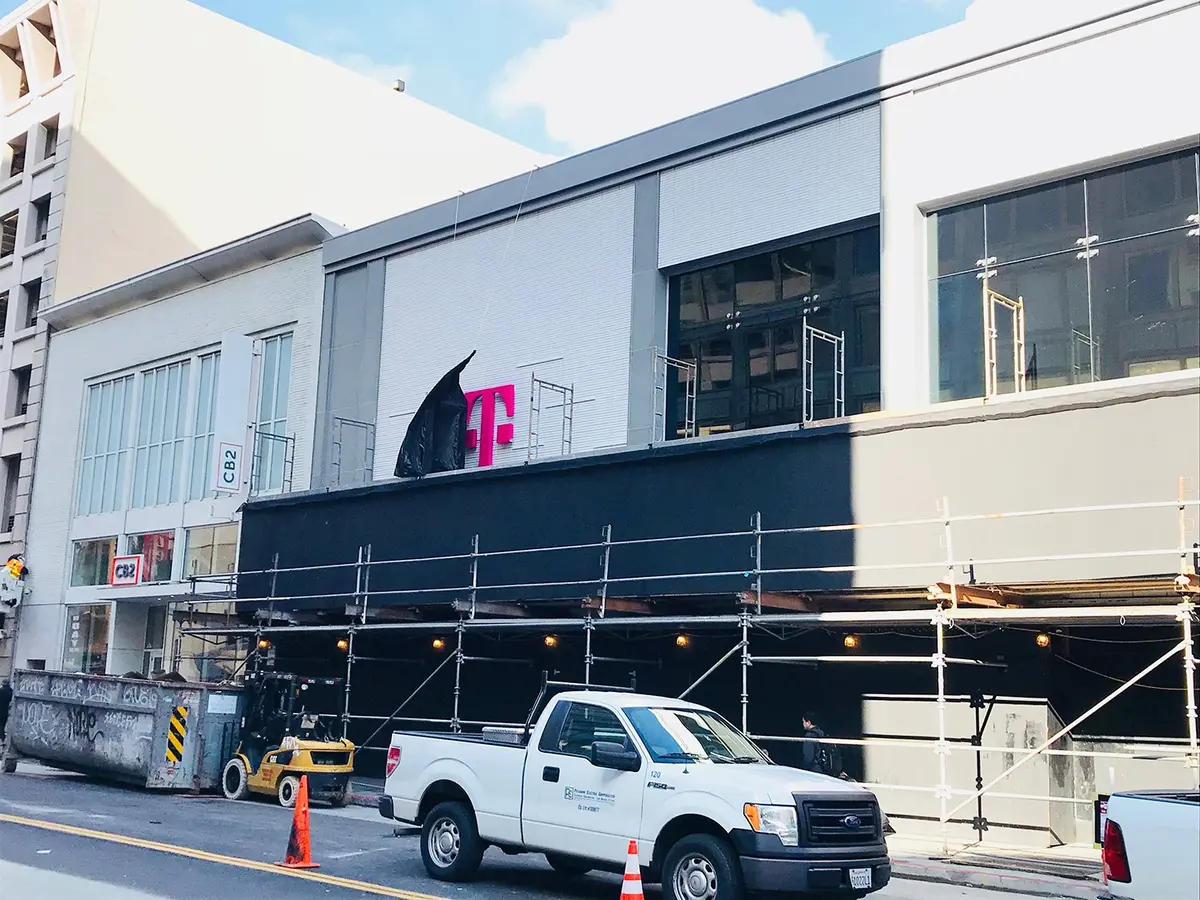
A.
pixel 631 887
pixel 299 848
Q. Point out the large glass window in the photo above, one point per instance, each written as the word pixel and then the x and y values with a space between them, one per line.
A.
pixel 157 551
pixel 91 561
pixel 271 449
pixel 1083 280
pixel 105 446
pixel 162 417
pixel 87 639
pixel 200 476
pixel 743 325
pixel 211 550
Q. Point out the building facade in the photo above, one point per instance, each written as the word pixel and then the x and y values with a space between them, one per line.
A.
pixel 148 421
pixel 126 147
pixel 920 327
pixel 923 323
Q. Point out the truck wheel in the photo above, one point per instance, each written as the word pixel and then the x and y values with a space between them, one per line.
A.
pixel 567 865
pixel 702 867
pixel 450 845
pixel 289 789
pixel 234 782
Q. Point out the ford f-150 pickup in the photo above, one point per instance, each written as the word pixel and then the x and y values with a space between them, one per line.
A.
pixel 1152 845
pixel 714 818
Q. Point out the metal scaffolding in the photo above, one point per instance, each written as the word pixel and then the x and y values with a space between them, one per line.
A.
pixel 566 394
pixel 1169 596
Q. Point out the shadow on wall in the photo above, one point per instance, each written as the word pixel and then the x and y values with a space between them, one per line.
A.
pixel 110 230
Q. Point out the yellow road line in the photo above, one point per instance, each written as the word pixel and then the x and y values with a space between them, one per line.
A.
pixel 367 887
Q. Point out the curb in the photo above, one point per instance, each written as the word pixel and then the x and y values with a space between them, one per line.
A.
pixel 1013 883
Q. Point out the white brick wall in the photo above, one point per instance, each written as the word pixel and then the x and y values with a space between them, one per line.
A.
pixel 806 179
pixel 282 295
pixel 556 303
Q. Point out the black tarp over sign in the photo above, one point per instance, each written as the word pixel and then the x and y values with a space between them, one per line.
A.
pixel 436 437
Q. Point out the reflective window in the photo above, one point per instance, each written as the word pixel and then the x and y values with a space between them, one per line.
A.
pixel 1087 279
pixel 743 325
pixel 161 424
pixel 91 561
pixel 211 550
pixel 271 450
pixel 157 551
pixel 584 725
pixel 105 446
pixel 87 639
pixel 200 476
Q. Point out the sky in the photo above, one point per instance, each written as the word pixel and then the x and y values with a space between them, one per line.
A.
pixel 562 76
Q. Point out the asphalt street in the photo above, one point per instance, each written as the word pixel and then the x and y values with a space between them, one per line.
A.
pixel 67 836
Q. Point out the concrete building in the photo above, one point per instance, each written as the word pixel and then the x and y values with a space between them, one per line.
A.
pixel 758 385
pixel 150 416
pixel 138 132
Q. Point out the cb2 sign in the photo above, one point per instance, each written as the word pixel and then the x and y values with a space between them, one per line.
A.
pixel 229 468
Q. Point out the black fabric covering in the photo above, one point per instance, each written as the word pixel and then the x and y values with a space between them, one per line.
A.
pixel 436 437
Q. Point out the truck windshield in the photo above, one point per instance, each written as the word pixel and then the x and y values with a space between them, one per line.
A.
pixel 692 735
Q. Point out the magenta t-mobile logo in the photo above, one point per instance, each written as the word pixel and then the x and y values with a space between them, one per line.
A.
pixel 492 433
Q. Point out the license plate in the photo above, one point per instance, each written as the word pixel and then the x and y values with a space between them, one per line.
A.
pixel 860 878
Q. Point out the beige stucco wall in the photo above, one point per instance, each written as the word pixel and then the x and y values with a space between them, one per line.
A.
pixel 193 130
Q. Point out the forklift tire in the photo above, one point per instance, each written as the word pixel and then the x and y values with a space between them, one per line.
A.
pixel 289 790
pixel 235 783
pixel 340 801
pixel 10 766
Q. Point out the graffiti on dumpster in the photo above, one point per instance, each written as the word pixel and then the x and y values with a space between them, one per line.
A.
pixel 139 695
pixel 54 725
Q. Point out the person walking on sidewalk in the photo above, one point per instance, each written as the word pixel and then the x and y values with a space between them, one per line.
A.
pixel 822 758
pixel 6 693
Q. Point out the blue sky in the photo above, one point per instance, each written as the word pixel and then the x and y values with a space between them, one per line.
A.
pixel 562 75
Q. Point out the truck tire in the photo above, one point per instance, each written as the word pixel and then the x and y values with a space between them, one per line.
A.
pixel 288 791
pixel 702 867
pixel 235 784
pixel 451 848
pixel 567 865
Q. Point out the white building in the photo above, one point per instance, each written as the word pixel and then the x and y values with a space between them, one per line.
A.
pixel 138 132
pixel 145 389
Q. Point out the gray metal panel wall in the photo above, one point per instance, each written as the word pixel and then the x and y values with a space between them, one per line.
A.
pixel 547 294
pixel 800 181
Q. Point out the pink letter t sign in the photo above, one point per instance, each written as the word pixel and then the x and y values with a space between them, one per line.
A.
pixel 489 433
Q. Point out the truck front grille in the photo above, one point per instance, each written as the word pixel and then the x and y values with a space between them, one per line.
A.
pixel 329 758
pixel 840 821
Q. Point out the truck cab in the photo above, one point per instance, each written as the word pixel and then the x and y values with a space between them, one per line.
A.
pixel 712 815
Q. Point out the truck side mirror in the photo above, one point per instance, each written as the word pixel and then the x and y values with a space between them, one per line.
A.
pixel 611 755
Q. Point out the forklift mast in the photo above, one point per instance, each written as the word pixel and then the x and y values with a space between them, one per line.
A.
pixel 281 704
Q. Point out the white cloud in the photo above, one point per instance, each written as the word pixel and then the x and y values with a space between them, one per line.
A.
pixel 635 64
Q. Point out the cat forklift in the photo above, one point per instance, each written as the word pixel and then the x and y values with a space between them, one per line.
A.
pixel 283 736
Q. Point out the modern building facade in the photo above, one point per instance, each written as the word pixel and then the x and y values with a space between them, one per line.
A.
pixel 150 419
pixel 127 145
pixel 917 332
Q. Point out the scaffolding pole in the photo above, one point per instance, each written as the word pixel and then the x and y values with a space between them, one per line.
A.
pixel 1187 610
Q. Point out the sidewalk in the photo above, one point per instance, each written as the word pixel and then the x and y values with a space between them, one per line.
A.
pixel 1069 871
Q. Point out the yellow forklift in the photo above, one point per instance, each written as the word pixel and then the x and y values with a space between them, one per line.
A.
pixel 284 736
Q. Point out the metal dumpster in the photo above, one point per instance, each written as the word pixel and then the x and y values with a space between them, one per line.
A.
pixel 161 735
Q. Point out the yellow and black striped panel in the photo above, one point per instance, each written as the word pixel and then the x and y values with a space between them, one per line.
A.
pixel 176 734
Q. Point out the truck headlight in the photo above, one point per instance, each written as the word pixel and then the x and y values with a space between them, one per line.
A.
pixel 777 820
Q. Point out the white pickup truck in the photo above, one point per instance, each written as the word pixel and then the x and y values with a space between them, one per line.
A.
pixel 713 816
pixel 1151 845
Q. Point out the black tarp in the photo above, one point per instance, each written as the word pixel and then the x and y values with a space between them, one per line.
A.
pixel 436 437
